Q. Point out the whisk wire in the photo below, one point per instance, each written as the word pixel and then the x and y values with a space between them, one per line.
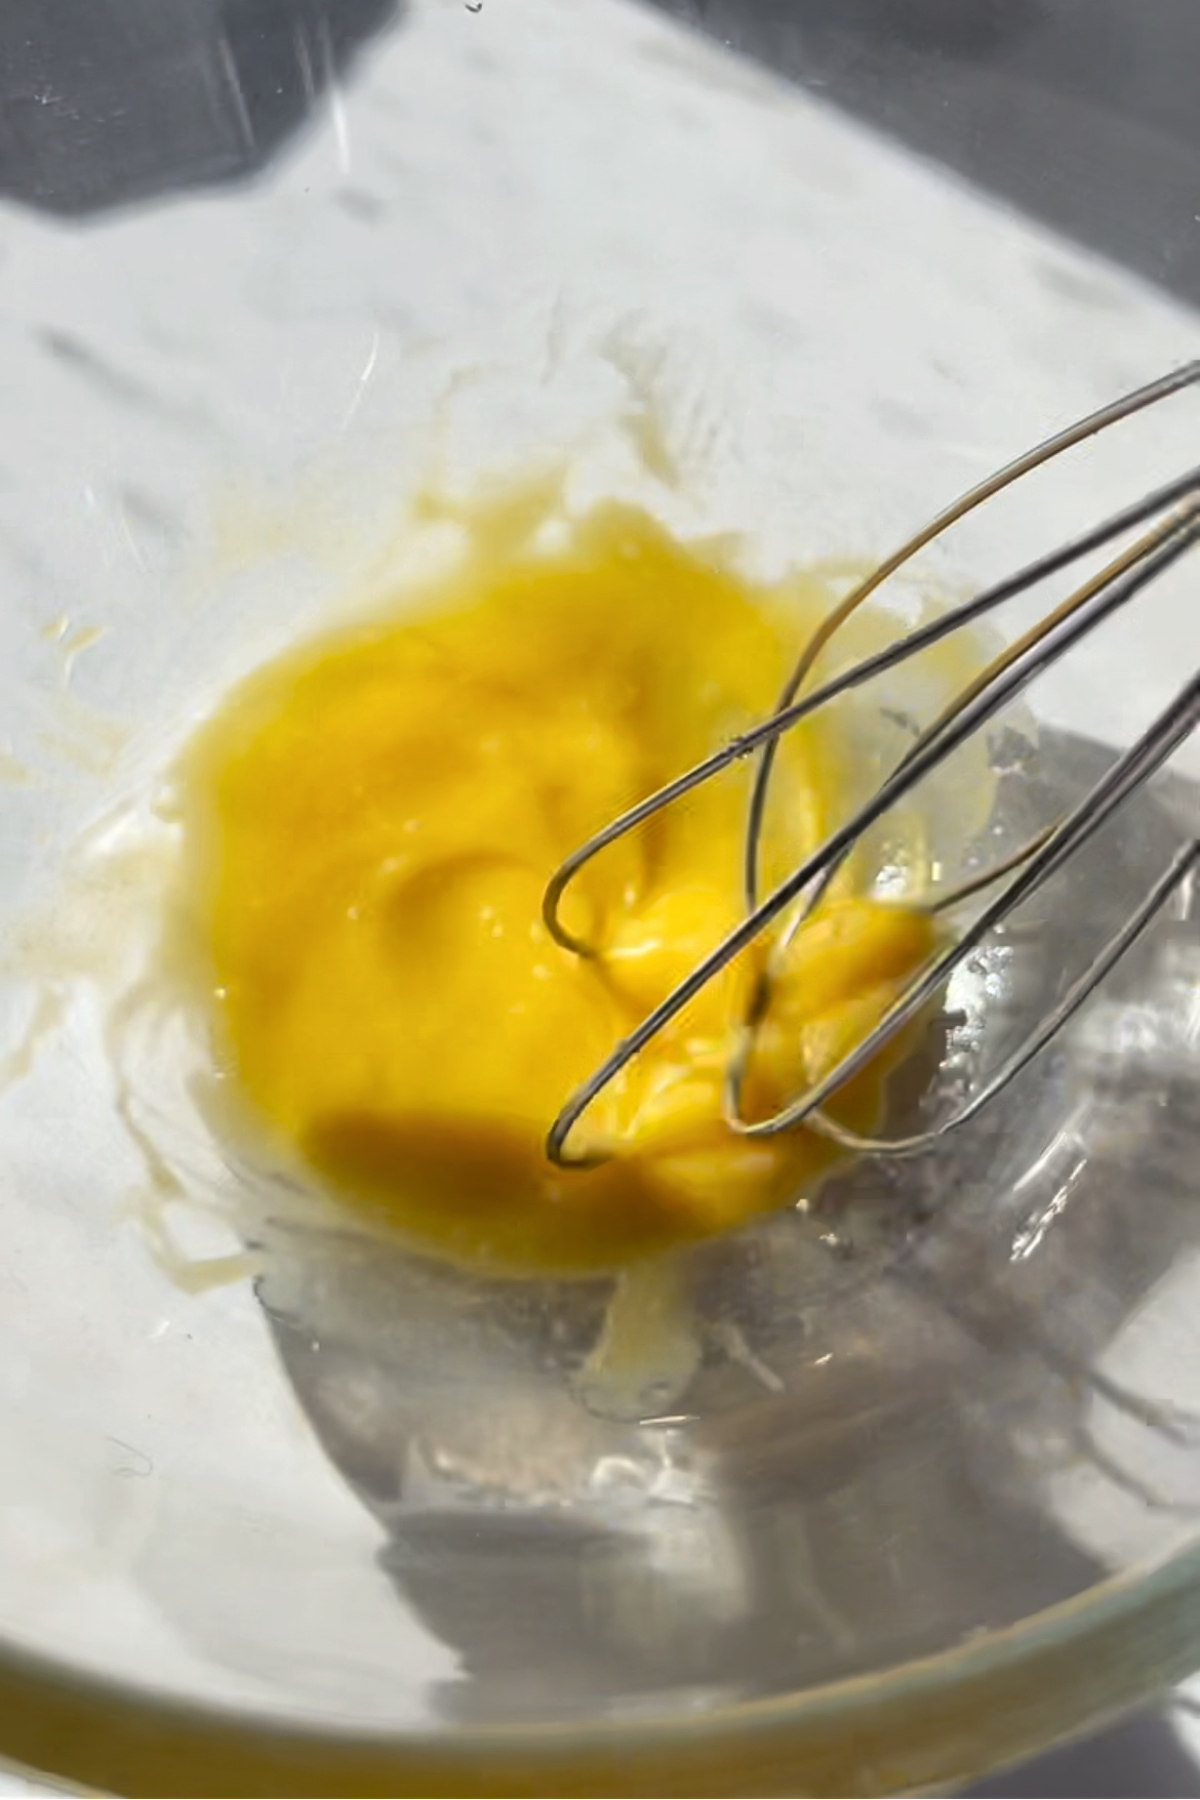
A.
pixel 1128 560
pixel 966 613
pixel 1043 854
pixel 1090 426
pixel 1082 823
pixel 1006 677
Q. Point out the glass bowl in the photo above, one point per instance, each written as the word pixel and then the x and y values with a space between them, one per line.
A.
pixel 919 1491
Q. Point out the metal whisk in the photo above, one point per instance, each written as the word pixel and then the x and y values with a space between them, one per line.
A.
pixel 1171 521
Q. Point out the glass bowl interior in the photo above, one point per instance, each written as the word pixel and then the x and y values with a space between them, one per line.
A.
pixel 320 1487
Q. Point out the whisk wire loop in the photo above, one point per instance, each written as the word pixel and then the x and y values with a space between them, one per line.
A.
pixel 1065 626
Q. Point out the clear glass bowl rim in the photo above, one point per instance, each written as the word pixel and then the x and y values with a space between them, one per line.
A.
pixel 920 1726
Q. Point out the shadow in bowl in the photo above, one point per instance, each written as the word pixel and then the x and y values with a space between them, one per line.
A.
pixel 107 102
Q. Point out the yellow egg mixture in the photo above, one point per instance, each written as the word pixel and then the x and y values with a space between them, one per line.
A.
pixel 369 825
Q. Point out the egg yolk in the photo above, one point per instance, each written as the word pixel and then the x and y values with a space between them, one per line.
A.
pixel 369 825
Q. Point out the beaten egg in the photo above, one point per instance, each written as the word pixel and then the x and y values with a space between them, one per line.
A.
pixel 369 822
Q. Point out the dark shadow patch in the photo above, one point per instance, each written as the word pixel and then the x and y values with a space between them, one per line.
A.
pixel 107 102
pixel 1080 112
